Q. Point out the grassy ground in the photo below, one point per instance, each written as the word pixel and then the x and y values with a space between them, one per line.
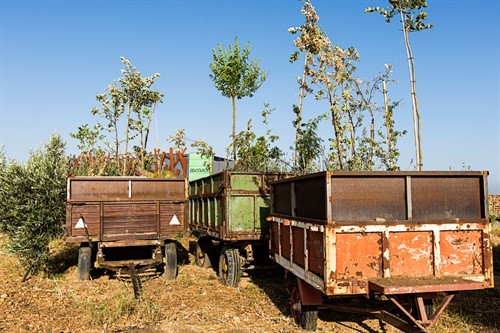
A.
pixel 194 302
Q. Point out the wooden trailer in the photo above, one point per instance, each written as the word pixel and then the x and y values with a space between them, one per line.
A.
pixel 394 245
pixel 126 224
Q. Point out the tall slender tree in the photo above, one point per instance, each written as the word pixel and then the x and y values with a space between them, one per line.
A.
pixel 412 19
pixel 130 95
pixel 309 34
pixel 236 76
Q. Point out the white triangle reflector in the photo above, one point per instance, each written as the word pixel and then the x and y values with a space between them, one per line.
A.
pixel 174 220
pixel 80 224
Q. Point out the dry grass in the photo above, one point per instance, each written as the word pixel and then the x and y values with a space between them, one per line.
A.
pixel 194 302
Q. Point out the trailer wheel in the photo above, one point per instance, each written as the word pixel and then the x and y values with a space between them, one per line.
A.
pixel 229 267
pixel 304 315
pixel 170 270
pixel 84 262
pixel 202 253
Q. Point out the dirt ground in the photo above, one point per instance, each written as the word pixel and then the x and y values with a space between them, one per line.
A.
pixel 194 302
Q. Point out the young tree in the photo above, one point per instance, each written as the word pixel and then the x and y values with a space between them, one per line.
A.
pixel 235 75
pixel 329 73
pixel 412 19
pixel 307 42
pixel 139 101
pixel 131 95
pixel 257 153
pixel 309 145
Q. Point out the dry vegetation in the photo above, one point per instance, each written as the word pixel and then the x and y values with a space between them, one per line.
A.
pixel 194 302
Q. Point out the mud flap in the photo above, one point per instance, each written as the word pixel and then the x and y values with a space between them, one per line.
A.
pixel 308 294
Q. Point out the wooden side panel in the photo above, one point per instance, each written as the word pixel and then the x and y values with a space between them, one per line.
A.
pixel 461 252
pixel 91 216
pixel 98 190
pixel 172 217
pixel 411 253
pixel 126 219
pixel 359 255
pixel 167 189
pixel 125 189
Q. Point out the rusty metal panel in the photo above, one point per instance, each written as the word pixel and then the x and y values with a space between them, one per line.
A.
pixel 388 226
pixel 315 249
pixel 445 198
pixel 246 182
pixel 461 252
pixel 298 246
pixel 274 240
pixel 310 198
pixel 411 253
pixel 285 242
pixel 410 285
pixel 233 205
pixel 368 198
pixel 359 255
pixel 282 198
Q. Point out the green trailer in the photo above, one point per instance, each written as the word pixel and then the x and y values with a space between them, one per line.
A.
pixel 228 212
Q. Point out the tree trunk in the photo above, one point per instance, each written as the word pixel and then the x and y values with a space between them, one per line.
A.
pixel 233 100
pixel 388 125
pixel 126 139
pixel 336 130
pixel 117 144
pixel 414 101
pixel 299 114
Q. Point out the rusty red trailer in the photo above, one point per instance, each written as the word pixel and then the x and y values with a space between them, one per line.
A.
pixel 110 215
pixel 397 240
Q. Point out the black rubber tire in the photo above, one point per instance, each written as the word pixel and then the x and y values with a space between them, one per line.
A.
pixel 84 262
pixel 306 316
pixel 170 260
pixel 309 320
pixel 202 253
pixel 229 267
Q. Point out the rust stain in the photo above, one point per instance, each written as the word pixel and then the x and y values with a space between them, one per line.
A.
pixel 411 253
pixel 461 252
pixel 359 254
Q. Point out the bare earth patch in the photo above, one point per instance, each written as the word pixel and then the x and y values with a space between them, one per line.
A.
pixel 194 302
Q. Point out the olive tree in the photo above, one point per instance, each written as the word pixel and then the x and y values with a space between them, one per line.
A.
pixel 236 76
pixel 32 197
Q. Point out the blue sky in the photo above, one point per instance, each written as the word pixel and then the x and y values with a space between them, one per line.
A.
pixel 55 56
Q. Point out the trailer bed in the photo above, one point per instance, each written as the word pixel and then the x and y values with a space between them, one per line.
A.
pixel 398 234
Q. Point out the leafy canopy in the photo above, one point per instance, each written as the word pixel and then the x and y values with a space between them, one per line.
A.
pixel 410 11
pixel 234 74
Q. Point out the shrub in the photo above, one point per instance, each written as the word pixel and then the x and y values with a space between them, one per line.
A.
pixel 32 196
